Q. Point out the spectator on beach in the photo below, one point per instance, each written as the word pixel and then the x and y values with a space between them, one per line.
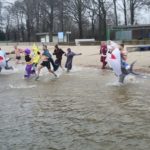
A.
pixel 103 52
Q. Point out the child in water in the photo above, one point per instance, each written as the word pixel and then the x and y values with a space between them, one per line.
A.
pixel 35 61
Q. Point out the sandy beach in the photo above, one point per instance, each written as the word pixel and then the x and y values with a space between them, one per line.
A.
pixel 90 56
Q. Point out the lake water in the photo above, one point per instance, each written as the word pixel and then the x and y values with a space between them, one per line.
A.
pixel 85 109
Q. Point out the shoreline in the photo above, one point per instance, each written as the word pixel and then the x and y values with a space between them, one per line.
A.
pixel 91 58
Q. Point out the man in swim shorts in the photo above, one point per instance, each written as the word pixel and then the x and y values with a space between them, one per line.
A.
pixel 46 57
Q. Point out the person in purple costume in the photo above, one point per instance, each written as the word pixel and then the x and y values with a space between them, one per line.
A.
pixel 70 56
pixel 28 60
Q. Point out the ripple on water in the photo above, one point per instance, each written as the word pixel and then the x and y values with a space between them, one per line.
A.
pixel 83 110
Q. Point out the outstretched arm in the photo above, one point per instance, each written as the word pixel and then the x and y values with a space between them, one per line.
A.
pixel 78 54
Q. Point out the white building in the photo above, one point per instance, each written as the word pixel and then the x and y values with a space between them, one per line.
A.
pixel 45 38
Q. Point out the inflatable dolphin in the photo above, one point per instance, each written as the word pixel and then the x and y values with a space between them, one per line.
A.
pixel 126 71
pixel 4 61
pixel 120 68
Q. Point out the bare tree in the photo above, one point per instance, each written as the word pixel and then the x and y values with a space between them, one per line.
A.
pixel 77 11
pixel 1 18
pixel 115 12
pixel 125 11
pixel 134 4
pixel 102 7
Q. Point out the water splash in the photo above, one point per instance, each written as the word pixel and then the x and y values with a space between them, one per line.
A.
pixel 21 86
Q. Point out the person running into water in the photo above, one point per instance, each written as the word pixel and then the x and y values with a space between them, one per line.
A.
pixel 55 66
pixel 36 58
pixel 123 52
pixel 28 60
pixel 58 53
pixel 70 56
pixel 18 52
pixel 4 61
pixel 103 52
pixel 47 58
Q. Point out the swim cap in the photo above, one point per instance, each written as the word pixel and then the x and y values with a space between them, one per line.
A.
pixel 27 51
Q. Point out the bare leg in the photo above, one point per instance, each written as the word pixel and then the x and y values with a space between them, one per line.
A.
pixel 38 72
pixel 52 72
pixel 17 61
pixel 62 67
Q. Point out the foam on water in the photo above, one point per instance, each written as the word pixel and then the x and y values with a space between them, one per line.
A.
pixel 116 83
pixel 12 86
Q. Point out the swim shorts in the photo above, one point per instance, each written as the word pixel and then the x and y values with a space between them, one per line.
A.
pixel 18 57
pixel 46 64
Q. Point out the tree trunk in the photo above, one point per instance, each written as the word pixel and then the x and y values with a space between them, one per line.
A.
pixel 115 11
pixel 125 12
pixel 62 16
pixel 132 11
pixel 28 30
pixel 51 23
pixel 80 20
pixel 99 19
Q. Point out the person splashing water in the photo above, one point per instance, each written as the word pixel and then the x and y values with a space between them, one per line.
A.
pixel 69 60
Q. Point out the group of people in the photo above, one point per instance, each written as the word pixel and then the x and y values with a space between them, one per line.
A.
pixel 36 60
pixel 104 49
pixel 115 55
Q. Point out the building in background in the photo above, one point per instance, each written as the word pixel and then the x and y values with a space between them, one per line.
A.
pixel 57 38
pixel 128 33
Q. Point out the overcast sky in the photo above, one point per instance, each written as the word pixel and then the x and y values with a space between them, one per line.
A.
pixel 143 16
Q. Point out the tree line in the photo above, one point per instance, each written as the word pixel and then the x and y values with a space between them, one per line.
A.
pixel 22 20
